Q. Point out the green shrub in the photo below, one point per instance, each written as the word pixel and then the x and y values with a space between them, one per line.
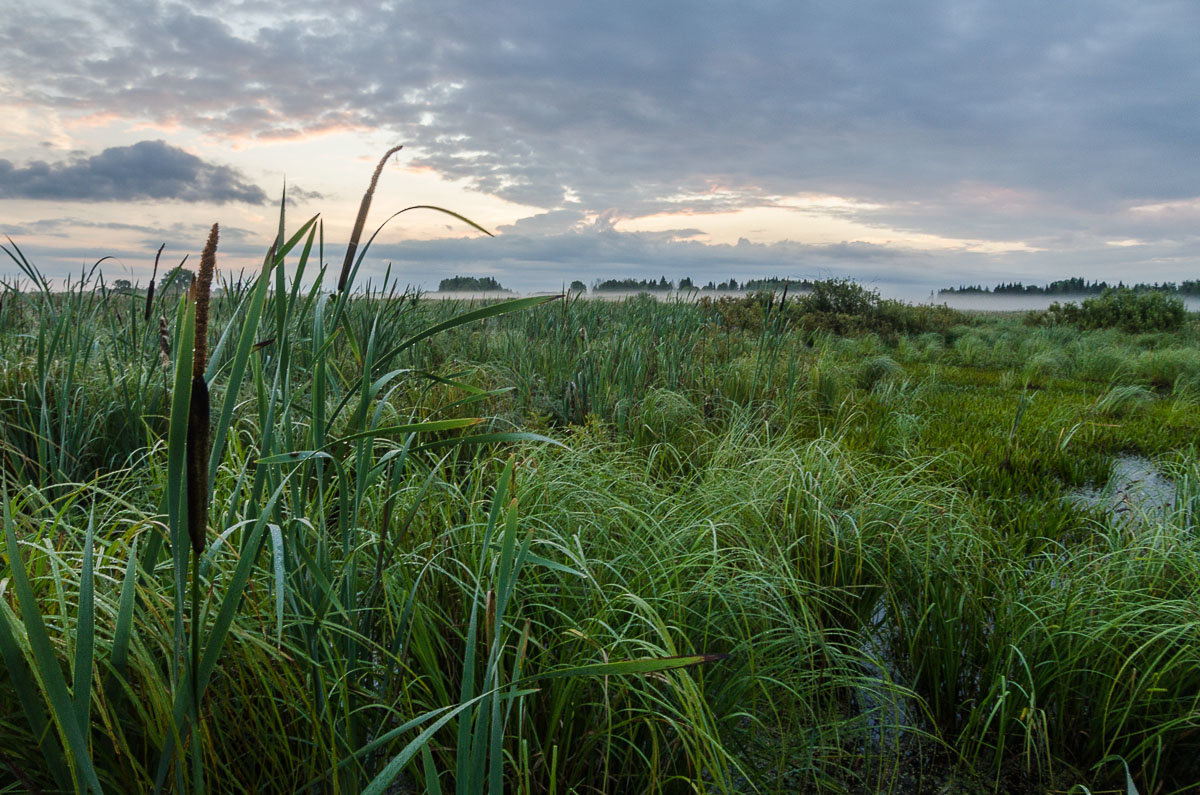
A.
pixel 1121 308
pixel 840 306
pixel 840 297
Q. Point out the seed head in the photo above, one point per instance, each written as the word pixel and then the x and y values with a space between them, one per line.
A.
pixel 361 220
pixel 201 293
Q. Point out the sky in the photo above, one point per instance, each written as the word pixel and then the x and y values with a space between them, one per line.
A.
pixel 907 145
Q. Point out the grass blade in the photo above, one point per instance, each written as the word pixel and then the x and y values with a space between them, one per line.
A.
pixel 85 633
pixel 62 709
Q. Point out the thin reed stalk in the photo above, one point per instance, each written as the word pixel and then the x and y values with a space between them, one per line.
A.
pixel 361 219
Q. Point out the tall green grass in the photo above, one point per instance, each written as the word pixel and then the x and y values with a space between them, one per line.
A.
pixel 583 547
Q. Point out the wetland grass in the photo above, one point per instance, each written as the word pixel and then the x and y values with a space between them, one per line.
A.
pixel 598 547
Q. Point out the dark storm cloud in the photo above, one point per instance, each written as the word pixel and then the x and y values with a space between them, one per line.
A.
pixel 146 170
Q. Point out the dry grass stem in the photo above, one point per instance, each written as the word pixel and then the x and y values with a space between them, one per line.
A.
pixel 361 220
pixel 150 289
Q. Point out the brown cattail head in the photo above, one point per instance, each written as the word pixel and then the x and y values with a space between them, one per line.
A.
pixel 197 464
pixel 197 428
pixel 361 220
pixel 201 292
pixel 149 299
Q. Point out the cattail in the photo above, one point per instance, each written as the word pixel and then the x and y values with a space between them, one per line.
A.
pixel 198 410
pixel 201 291
pixel 150 289
pixel 361 220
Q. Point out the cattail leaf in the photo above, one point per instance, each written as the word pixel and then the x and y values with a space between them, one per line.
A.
pixel 197 472
pixel 46 664
pixel 299 456
pixel 297 280
pixel 234 589
pixel 546 563
pixel 430 426
pixel 21 676
pixel 214 358
pixel 181 398
pixel 432 785
pixel 121 634
pixel 280 581
pixel 18 256
pixel 220 628
pixel 238 369
pixel 85 631
pixel 318 429
pixel 294 457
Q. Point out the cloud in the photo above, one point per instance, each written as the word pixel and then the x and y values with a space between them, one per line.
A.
pixel 1086 100
pixel 145 170
pixel 1031 121
pixel 556 221
pixel 298 195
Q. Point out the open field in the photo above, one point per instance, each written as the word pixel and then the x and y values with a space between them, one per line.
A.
pixel 590 546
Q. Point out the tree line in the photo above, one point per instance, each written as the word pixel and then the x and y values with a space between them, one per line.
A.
pixel 1074 286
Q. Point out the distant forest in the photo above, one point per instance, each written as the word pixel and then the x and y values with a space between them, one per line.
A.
pixel 473 284
pixel 1073 286
pixel 686 283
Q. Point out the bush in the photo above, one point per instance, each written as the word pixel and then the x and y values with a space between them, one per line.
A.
pixel 840 306
pixel 840 297
pixel 1121 308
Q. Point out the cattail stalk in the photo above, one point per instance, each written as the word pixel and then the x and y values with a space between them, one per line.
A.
pixel 197 477
pixel 361 220
pixel 153 276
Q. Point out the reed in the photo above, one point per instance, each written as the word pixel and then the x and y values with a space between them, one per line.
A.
pixel 150 287
pixel 364 207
